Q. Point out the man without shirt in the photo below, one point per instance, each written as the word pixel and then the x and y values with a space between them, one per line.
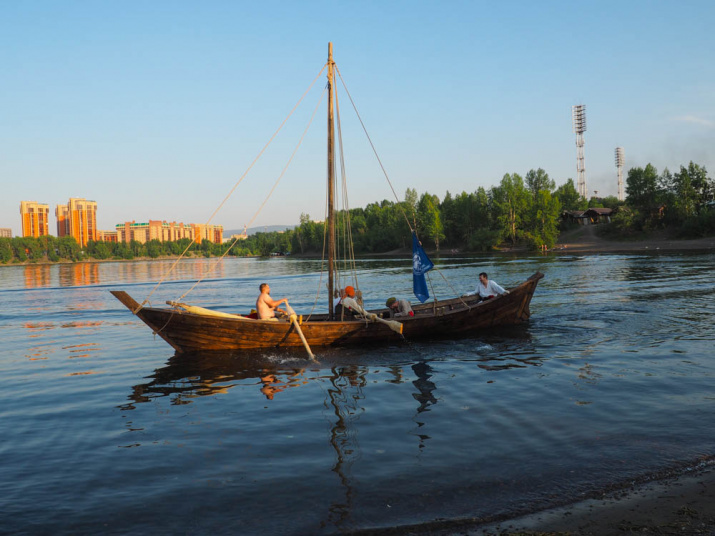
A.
pixel 267 306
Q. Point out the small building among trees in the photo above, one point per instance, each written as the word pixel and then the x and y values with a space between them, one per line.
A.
pixel 598 215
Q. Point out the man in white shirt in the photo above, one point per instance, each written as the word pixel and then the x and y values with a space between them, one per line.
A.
pixel 487 289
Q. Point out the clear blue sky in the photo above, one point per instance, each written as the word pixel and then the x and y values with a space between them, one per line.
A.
pixel 154 109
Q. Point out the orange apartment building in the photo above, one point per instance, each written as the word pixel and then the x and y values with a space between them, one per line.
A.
pixel 35 218
pixel 167 231
pixel 78 219
pixel 107 236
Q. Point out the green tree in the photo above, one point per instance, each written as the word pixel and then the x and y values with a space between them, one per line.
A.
pixel 154 248
pixel 68 248
pixel 100 250
pixel 539 180
pixel 544 224
pixel 18 248
pixel 430 221
pixel 569 197
pixel 510 202
pixel 642 188
pixel 6 252
pixel 410 205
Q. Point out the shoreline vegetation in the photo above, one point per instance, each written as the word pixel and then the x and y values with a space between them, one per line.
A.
pixel 661 211
pixel 587 239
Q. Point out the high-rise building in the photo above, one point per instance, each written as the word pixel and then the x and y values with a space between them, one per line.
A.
pixel 62 215
pixel 5 232
pixel 35 218
pixel 78 219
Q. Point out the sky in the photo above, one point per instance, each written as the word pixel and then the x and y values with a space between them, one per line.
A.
pixel 156 109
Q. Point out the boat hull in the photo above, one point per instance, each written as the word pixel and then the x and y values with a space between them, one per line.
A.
pixel 187 332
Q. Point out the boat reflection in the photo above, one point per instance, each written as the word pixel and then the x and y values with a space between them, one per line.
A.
pixel 187 376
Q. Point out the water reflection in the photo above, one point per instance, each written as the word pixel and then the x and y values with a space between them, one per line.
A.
pixel 424 396
pixel 37 275
pixel 344 398
pixel 189 375
pixel 79 274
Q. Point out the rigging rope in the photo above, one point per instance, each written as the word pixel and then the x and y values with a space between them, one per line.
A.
pixel 173 266
pixel 388 178
pixel 374 150
pixel 220 259
pixel 348 245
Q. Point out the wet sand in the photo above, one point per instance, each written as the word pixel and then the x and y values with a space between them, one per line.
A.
pixel 675 505
pixel 679 502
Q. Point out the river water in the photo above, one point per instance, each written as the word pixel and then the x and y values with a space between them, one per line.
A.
pixel 106 430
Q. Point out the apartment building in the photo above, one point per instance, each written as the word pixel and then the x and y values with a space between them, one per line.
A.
pixel 167 231
pixel 5 232
pixel 35 218
pixel 78 219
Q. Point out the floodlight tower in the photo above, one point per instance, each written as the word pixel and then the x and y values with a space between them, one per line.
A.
pixel 620 161
pixel 579 127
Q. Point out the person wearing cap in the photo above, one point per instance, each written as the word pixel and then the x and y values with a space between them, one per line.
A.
pixel 399 307
pixel 487 289
pixel 341 311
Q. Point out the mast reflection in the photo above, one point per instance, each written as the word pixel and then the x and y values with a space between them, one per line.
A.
pixel 344 398
pixel 424 396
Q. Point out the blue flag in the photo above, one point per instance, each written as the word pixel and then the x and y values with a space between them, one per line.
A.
pixel 420 266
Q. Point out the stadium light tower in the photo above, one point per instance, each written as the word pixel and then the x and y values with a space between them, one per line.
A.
pixel 620 160
pixel 579 127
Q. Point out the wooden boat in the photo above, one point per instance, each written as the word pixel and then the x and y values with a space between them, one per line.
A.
pixel 192 330
pixel 454 317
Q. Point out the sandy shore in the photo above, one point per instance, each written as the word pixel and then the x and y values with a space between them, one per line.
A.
pixel 675 505
pixel 586 240
pixel 681 502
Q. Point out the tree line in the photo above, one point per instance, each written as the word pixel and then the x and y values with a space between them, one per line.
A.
pixel 681 202
pixel 66 248
pixel 518 211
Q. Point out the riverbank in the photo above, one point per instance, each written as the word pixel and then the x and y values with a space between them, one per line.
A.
pixel 587 240
pixel 682 504
pixel 584 240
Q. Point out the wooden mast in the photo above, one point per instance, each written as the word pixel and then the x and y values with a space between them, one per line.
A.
pixel 331 182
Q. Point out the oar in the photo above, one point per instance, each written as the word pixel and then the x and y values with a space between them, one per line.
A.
pixel 294 320
pixel 392 324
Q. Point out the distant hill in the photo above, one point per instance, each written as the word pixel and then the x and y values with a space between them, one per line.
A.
pixel 253 230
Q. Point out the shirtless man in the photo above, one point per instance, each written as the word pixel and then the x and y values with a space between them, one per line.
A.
pixel 267 306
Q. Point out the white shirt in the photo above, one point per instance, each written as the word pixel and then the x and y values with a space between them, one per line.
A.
pixel 492 289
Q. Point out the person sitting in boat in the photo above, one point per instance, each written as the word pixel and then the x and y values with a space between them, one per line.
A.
pixel 267 306
pixel 399 307
pixel 343 311
pixel 487 289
